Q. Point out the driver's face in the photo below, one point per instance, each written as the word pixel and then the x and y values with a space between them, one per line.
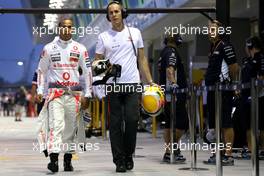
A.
pixel 66 29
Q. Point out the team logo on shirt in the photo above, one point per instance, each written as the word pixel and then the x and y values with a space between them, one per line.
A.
pixel 54 47
pixel 55 57
pixel 115 46
pixel 71 65
pixel 75 47
pixel 74 57
pixel 66 76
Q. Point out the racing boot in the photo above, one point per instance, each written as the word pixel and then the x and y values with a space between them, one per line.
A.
pixel 67 162
pixel 53 166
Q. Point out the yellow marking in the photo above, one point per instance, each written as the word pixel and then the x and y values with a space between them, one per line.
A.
pixel 75 157
pixel 4 158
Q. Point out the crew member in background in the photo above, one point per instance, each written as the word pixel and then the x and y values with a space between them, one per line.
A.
pixel 222 68
pixel 171 73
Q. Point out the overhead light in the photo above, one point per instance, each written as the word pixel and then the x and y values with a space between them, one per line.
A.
pixel 20 63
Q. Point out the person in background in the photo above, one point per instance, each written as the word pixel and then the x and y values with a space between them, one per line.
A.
pixel 222 68
pixel 20 101
pixel 171 73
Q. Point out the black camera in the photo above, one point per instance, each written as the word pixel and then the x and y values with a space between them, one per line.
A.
pixel 115 71
pixel 100 66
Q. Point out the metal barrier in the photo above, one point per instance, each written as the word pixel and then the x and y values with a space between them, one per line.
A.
pixel 218 88
pixel 254 125
pixel 172 115
pixel 192 101
pixel 218 122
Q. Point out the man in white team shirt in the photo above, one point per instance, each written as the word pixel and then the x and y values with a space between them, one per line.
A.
pixel 61 59
pixel 116 45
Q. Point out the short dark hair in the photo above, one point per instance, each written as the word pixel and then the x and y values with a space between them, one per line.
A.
pixel 63 18
pixel 175 38
pixel 218 23
pixel 254 42
pixel 123 10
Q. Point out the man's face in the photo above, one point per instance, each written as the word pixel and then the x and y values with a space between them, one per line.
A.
pixel 66 29
pixel 213 31
pixel 115 13
pixel 247 51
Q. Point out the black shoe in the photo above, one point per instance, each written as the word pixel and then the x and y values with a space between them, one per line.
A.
pixel 245 154
pixel 67 162
pixel 129 163
pixel 261 155
pixel 178 157
pixel 211 160
pixel 166 158
pixel 53 166
pixel 120 166
pixel 228 161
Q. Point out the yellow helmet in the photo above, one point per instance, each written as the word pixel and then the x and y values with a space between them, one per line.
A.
pixel 153 100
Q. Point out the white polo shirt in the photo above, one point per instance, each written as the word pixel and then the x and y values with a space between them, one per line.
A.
pixel 117 47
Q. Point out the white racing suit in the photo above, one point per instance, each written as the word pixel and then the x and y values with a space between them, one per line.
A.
pixel 62 60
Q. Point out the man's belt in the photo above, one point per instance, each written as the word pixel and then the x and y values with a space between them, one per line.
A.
pixel 66 88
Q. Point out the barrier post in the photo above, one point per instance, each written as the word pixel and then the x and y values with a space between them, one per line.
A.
pixel 193 128
pixel 218 122
pixel 172 116
pixel 254 128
